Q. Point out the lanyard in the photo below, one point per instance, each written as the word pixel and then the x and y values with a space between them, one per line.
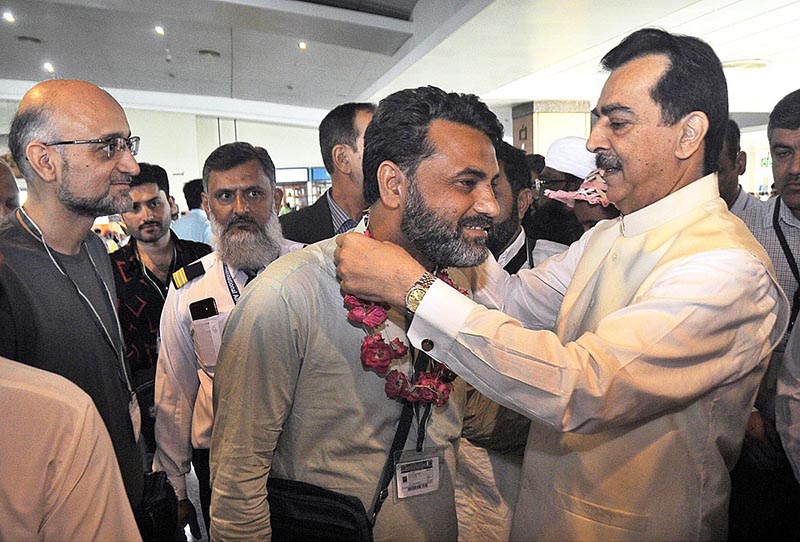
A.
pixel 790 259
pixel 160 289
pixel 233 289
pixel 37 232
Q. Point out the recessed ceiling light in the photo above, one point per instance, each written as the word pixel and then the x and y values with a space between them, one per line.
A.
pixel 746 64
pixel 48 67
pixel 209 52
pixel 159 30
pixel 30 39
pixel 303 45
pixel 9 17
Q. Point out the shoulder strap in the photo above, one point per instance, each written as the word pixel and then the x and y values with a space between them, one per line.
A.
pixel 398 443
pixel 187 273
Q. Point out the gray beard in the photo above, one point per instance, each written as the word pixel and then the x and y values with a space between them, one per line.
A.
pixel 247 250
pixel 435 239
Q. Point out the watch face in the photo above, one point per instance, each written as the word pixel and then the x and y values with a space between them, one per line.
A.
pixel 414 297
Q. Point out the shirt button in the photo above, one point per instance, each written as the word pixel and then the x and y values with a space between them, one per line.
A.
pixel 427 345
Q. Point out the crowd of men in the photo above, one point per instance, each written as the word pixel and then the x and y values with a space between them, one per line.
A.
pixel 457 366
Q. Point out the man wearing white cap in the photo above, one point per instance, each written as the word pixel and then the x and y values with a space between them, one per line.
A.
pixel 554 226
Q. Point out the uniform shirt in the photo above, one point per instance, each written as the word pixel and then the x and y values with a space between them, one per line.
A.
pixel 294 401
pixel 59 479
pixel 186 364
pixel 639 399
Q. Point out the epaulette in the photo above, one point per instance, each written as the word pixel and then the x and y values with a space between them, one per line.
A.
pixel 187 273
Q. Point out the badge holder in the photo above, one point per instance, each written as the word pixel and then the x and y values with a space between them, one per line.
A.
pixel 417 472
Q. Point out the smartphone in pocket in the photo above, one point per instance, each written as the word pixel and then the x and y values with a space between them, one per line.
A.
pixel 205 308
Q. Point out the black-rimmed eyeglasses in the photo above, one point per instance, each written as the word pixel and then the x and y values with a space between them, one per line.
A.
pixel 112 145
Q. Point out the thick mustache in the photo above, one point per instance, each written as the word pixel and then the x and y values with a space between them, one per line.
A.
pixel 121 180
pixel 607 161
pixel 241 220
pixel 150 223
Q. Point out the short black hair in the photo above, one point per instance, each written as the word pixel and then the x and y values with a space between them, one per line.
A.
pixel 535 162
pixel 515 167
pixel 192 191
pixel 399 129
pixel 693 81
pixel 733 136
pixel 230 155
pixel 151 173
pixel 785 114
pixel 339 128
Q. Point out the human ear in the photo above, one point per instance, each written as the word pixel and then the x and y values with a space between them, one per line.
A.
pixel 694 128
pixel 278 195
pixel 40 159
pixel 391 184
pixel 204 203
pixel 524 200
pixel 741 163
pixel 341 158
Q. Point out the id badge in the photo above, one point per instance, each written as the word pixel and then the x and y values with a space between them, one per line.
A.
pixel 417 473
pixel 136 416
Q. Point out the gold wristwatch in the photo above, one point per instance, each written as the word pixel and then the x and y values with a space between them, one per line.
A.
pixel 417 292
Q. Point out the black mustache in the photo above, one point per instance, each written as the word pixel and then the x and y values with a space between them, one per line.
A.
pixel 150 223
pixel 607 161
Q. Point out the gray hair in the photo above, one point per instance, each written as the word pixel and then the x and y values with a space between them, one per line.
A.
pixel 33 124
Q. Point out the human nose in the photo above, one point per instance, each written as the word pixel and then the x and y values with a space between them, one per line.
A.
pixel 596 139
pixel 240 204
pixel 486 203
pixel 794 167
pixel 127 163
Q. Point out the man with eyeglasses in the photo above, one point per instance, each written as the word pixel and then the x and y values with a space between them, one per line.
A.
pixel 72 142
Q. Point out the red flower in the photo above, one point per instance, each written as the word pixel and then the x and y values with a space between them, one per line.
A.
pixel 399 347
pixel 375 316
pixel 351 301
pixel 396 384
pixel 378 355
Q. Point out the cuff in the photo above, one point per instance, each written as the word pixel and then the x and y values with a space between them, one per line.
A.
pixel 439 318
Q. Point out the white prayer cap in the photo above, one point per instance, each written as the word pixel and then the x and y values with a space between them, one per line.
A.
pixel 569 155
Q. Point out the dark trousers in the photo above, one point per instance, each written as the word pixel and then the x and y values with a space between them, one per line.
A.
pixel 765 504
pixel 201 469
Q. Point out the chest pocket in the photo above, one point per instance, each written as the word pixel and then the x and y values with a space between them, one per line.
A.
pixel 207 337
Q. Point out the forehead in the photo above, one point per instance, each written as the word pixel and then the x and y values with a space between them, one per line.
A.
pixel 629 85
pixel 246 175
pixel 459 146
pixel 145 192
pixel 91 115
pixel 784 137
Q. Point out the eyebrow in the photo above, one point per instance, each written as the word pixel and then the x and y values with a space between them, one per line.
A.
pixel 612 108
pixel 473 172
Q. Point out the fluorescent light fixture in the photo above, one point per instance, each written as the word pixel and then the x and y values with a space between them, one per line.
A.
pixel 48 67
pixel 9 17
pixel 303 45
pixel 159 30
pixel 746 64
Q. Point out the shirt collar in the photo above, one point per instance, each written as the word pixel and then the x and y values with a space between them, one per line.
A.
pixel 688 198
pixel 338 215
pixel 512 249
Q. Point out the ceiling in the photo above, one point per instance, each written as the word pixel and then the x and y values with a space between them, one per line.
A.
pixel 507 51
